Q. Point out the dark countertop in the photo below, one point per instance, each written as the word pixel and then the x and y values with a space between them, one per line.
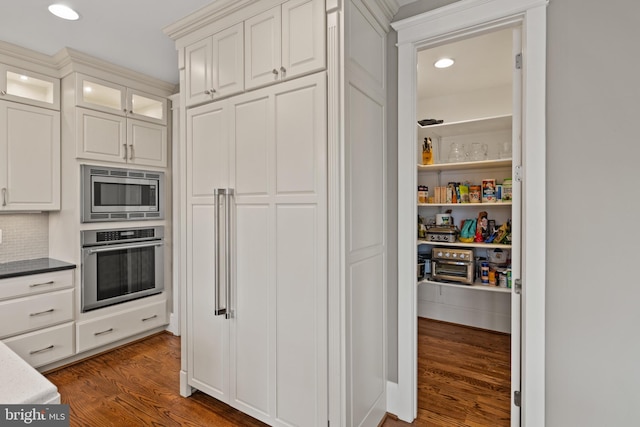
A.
pixel 32 266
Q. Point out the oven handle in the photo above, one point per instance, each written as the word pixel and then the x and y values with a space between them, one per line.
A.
pixel 122 247
pixel 217 311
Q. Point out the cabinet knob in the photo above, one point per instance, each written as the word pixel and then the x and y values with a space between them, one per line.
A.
pixel 275 72
pixel 283 70
pixel 210 92
pixel 3 92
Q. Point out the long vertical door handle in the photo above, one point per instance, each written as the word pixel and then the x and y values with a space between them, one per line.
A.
pixel 216 256
pixel 227 239
pixel 130 151
pixel 125 151
pixel 4 197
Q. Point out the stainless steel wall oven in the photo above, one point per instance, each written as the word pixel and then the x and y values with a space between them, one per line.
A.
pixel 121 265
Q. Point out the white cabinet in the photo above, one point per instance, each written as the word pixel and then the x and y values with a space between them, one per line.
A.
pixel 284 42
pixel 119 124
pixel 108 137
pixel 36 316
pixel 116 326
pixel 269 358
pixel 29 158
pixel 215 66
pixel 112 98
pixel 28 87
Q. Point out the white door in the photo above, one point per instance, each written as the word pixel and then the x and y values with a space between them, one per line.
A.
pixel 263 48
pixel 101 136
pixel 227 72
pixel 147 143
pixel 269 357
pixel 303 43
pixel 207 169
pixel 198 72
pixel 29 157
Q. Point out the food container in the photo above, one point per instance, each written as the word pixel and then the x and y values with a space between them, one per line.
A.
pixel 507 190
pixel 499 257
pixel 488 191
pixel 444 219
pixel 475 193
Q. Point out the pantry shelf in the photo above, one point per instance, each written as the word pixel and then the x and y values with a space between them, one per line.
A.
pixel 465 245
pixel 482 164
pixel 464 205
pixel 477 286
pixel 465 127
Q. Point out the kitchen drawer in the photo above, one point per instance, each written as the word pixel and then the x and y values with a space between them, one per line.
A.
pixel 35 284
pixel 104 330
pixel 26 314
pixel 44 346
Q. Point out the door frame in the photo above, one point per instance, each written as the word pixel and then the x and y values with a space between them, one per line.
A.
pixel 466 18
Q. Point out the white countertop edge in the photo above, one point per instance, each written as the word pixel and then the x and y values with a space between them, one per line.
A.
pixel 21 383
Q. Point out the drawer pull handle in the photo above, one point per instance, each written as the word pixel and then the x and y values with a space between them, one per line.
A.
pixel 42 350
pixel 40 313
pixel 41 284
pixel 149 318
pixel 103 332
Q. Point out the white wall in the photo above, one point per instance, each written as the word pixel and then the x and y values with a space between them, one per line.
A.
pixel 593 293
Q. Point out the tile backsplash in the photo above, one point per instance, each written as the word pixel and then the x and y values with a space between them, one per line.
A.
pixel 24 236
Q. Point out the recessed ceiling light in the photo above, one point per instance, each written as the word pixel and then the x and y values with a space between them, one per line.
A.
pixel 444 63
pixel 24 78
pixel 64 12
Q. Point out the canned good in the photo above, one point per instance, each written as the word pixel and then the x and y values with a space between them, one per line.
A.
pixel 492 277
pixel 484 272
pixel 508 277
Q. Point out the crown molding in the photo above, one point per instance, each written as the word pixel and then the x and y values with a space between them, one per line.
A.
pixel 69 60
pixel 22 57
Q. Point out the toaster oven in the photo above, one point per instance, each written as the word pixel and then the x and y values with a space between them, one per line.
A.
pixel 453 265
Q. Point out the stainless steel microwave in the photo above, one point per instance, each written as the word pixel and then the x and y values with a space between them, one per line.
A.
pixel 114 194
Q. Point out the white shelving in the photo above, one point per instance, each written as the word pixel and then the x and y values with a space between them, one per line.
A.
pixel 463 205
pixel 477 286
pixel 466 245
pixel 441 173
pixel 482 164
pixel 466 127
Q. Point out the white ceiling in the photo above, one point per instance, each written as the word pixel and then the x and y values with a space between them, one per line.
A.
pixel 123 32
pixel 481 62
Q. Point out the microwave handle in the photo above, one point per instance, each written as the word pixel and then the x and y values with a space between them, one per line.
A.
pixel 217 310
pixel 121 247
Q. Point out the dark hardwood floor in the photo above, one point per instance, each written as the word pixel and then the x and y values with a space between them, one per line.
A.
pixel 138 385
pixel 463 377
pixel 463 380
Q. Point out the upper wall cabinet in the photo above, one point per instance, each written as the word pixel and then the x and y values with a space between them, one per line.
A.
pixel 29 158
pixel 215 66
pixel 111 98
pixel 284 42
pixel 28 87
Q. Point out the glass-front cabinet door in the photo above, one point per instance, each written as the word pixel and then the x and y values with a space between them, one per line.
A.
pixel 108 97
pixel 28 87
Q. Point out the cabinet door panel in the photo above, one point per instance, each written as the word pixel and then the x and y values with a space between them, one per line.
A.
pixel 208 358
pixel 100 136
pixel 198 67
pixel 31 168
pixel 228 61
pixel 207 149
pixel 251 327
pixel 147 143
pixel 262 48
pixel 251 148
pixel 303 39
